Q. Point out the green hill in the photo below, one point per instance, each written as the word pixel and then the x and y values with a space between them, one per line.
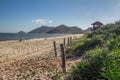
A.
pixel 63 29
pixel 42 29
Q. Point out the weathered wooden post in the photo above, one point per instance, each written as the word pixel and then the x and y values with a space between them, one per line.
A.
pixel 71 38
pixel 64 41
pixel 54 44
pixel 75 37
pixel 68 41
pixel 63 58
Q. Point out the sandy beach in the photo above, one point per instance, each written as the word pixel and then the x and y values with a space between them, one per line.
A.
pixel 30 59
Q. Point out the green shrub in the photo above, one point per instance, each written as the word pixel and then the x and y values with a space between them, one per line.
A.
pixel 88 45
pixel 113 43
pixel 101 66
pixel 101 59
pixel 117 31
pixel 90 35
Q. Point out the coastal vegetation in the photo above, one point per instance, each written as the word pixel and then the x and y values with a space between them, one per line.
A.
pixel 100 51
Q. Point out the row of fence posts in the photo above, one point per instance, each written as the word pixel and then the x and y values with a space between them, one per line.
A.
pixel 62 48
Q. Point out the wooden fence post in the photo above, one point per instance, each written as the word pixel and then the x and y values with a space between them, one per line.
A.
pixel 54 44
pixel 63 58
pixel 64 41
pixel 75 37
pixel 68 41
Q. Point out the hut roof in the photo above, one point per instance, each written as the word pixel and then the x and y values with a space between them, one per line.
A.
pixel 97 23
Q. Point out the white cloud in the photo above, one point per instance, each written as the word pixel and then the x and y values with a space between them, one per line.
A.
pixel 41 21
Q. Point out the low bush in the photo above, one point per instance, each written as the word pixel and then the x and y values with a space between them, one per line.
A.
pixel 101 59
pixel 88 45
pixel 117 31
pixel 100 66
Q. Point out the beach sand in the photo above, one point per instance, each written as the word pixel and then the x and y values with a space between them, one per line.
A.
pixel 31 59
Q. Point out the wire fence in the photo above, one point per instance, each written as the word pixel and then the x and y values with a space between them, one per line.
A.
pixel 26 49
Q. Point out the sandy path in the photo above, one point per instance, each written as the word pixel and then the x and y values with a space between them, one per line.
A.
pixel 27 60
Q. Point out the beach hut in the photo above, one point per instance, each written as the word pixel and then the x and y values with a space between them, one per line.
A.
pixel 96 25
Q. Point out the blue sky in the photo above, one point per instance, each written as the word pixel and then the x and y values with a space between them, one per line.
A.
pixel 16 15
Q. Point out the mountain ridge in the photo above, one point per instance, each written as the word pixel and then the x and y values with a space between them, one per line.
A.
pixel 42 29
pixel 61 29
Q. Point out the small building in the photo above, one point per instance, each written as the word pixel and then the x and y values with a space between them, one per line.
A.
pixel 96 25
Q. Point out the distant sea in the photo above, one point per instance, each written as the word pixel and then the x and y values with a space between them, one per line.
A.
pixel 16 36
